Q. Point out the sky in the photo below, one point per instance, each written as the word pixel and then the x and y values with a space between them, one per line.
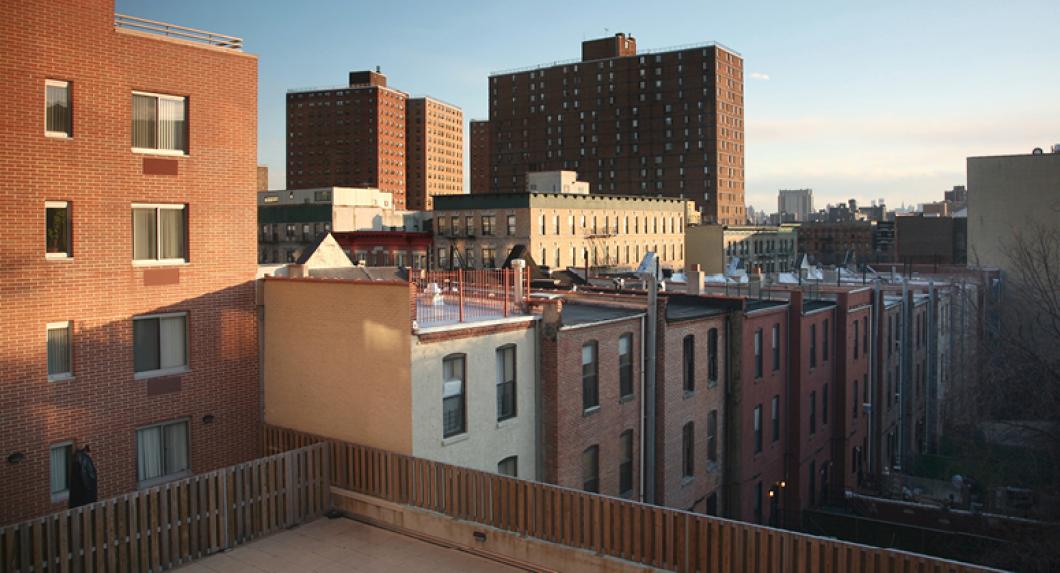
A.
pixel 852 99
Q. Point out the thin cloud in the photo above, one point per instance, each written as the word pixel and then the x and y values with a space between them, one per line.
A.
pixel 759 76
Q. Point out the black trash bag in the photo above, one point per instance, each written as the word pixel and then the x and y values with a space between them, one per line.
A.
pixel 82 479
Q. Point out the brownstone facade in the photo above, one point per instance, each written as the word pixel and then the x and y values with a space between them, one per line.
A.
pixel 98 290
pixel 435 146
pixel 664 123
pixel 480 156
pixel 349 136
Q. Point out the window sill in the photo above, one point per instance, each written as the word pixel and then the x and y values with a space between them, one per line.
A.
pixel 507 422
pixel 60 377
pixel 160 262
pixel 57 135
pixel 685 480
pixel 455 439
pixel 160 373
pixel 688 394
pixel 164 479
pixel 61 497
pixel 626 398
pixel 164 152
pixel 590 411
pixel 57 257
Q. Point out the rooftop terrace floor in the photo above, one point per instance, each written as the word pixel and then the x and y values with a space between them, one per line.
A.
pixel 341 546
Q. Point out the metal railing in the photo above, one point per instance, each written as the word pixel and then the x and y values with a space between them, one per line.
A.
pixel 465 295
pixel 179 32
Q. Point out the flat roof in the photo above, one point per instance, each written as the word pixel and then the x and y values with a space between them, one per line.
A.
pixel 816 304
pixel 523 200
pixel 576 313
pixel 753 305
pixel 678 310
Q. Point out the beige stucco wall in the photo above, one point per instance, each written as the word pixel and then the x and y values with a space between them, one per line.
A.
pixel 336 360
pixel 1005 194
pixel 486 441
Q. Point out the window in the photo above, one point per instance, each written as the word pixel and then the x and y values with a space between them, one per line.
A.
pixel 776 347
pixel 625 365
pixel 824 342
pixel 625 468
pixel 758 502
pixel 712 436
pixel 591 469
pixel 712 356
pixel 469 223
pixel 160 344
pixel 505 382
pixel 454 226
pixel 443 226
pixel 689 361
pixel 161 452
pixel 824 405
pixel 159 233
pixel 541 224
pixel 60 456
pixel 509 466
pixel 688 450
pixel 856 337
pixel 813 412
pixel 813 346
pixel 865 339
pixel 57 230
pixel 812 483
pixel 855 404
pixel 758 353
pixel 159 124
pixel 59 351
pixel 454 399
pixel 489 257
pixel 776 417
pixel 590 369
pixel 487 224
pixel 758 428
pixel 58 114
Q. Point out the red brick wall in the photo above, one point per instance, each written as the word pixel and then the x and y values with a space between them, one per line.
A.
pixel 675 408
pixel 100 290
pixel 568 431
pixel 851 431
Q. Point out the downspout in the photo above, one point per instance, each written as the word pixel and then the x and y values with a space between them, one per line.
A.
pixel 539 452
pixel 649 389
pixel 874 359
pixel 644 389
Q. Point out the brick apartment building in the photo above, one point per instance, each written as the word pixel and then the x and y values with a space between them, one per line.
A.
pixel 129 247
pixel 366 134
pixel 435 146
pixel 480 155
pixel 660 123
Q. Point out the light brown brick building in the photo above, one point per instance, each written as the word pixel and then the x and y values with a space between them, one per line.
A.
pixel 348 136
pixel 480 155
pixel 129 252
pixel 435 145
pixel 664 123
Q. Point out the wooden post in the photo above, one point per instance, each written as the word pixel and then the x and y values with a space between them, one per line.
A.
pixel 288 487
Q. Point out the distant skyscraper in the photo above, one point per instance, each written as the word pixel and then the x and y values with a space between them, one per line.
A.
pixel 480 156
pixel 668 123
pixel 435 150
pixel 796 203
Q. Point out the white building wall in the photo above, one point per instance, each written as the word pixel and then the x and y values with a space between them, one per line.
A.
pixel 486 441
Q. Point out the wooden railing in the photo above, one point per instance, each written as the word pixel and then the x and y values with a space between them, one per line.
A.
pixel 172 524
pixel 651 535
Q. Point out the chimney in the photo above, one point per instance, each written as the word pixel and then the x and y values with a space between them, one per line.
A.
pixel 695 280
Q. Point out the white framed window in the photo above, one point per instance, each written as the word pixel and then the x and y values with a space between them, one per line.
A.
pixel 57 238
pixel 59 456
pixel 159 124
pixel 58 113
pixel 159 233
pixel 160 344
pixel 60 351
pixel 162 452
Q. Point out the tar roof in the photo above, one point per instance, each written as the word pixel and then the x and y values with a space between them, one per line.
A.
pixel 754 305
pixel 576 313
pixel 812 305
pixel 676 310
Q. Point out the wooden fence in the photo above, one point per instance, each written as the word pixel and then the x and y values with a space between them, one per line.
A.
pixel 647 534
pixel 172 524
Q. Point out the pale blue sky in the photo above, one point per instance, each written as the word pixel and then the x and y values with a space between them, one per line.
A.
pixel 862 100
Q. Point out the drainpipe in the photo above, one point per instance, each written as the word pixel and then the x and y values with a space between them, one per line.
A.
pixel 904 359
pixel 643 401
pixel 874 358
pixel 539 452
pixel 649 387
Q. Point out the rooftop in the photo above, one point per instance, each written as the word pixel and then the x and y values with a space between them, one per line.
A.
pixel 576 61
pixel 575 314
pixel 341 545
pixel 540 199
pixel 177 32
pixel 680 310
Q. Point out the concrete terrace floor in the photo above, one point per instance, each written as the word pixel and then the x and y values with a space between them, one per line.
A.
pixel 340 546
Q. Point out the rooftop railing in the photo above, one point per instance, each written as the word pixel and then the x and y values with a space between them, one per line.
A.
pixel 654 51
pixel 179 32
pixel 445 298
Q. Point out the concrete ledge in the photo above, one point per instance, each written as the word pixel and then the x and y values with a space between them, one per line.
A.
pixel 513 549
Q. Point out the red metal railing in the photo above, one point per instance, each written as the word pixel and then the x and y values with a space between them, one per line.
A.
pixel 465 295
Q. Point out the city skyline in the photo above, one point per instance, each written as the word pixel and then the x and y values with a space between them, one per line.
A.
pixel 913 103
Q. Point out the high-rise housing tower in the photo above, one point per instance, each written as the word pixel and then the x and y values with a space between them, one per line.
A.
pixel 348 136
pixel 796 204
pixel 666 122
pixel 480 155
pixel 435 151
